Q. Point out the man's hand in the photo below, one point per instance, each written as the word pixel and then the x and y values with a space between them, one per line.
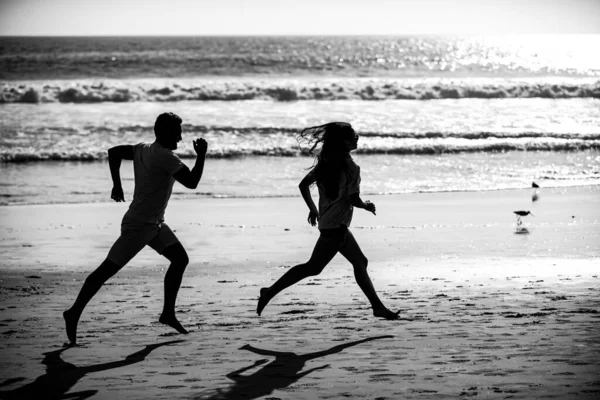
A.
pixel 200 146
pixel 117 194
pixel 370 207
pixel 312 217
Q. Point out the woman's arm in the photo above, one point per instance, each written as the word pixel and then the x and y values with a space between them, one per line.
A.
pixel 356 201
pixel 304 187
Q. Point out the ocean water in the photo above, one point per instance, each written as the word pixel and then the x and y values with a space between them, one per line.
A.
pixel 434 113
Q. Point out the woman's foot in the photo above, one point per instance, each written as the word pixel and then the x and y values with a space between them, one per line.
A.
pixel 71 321
pixel 171 320
pixel 386 314
pixel 263 300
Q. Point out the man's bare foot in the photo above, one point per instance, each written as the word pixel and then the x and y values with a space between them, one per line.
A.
pixel 263 300
pixel 71 325
pixel 172 321
pixel 386 314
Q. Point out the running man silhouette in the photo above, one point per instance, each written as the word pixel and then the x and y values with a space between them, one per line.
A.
pixel 338 179
pixel 156 168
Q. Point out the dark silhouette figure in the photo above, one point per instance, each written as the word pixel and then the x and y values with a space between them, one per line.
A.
pixel 156 169
pixel 61 376
pixel 279 373
pixel 338 180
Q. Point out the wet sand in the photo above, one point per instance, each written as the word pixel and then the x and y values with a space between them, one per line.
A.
pixel 487 311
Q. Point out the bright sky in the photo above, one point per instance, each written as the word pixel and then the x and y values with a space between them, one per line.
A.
pixel 296 17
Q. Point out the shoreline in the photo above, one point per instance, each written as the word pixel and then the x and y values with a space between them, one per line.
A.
pixel 45 189
pixel 566 224
pixel 286 196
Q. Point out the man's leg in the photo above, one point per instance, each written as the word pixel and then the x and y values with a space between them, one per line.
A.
pixel 90 287
pixel 325 249
pixel 129 243
pixel 178 257
pixel 352 252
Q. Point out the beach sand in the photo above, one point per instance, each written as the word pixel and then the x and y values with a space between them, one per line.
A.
pixel 487 311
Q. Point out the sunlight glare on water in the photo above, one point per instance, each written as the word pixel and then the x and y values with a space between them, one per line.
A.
pixel 537 53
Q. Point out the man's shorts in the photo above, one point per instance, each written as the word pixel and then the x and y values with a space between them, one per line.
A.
pixel 134 237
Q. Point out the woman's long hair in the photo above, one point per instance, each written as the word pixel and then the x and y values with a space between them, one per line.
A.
pixel 330 161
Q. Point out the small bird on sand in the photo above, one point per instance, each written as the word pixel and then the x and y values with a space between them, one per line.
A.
pixel 535 196
pixel 522 214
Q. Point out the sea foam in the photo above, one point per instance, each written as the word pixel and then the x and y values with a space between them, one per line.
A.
pixel 294 89
pixel 285 145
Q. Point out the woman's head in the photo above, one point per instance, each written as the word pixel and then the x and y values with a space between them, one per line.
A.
pixel 334 138
pixel 337 140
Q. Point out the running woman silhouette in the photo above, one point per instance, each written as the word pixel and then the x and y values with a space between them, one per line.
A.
pixel 338 181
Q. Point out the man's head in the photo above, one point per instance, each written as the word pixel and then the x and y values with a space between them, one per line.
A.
pixel 167 129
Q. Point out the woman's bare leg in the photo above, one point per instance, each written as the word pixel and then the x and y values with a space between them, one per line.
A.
pixel 352 252
pixel 324 251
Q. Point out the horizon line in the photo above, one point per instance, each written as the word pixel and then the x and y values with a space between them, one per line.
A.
pixel 304 34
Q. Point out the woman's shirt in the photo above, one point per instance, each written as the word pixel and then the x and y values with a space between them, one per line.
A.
pixel 333 213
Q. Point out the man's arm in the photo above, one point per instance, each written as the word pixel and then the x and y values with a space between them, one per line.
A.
pixel 304 187
pixel 190 179
pixel 115 155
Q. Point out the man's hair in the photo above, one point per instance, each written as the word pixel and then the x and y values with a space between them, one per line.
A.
pixel 165 123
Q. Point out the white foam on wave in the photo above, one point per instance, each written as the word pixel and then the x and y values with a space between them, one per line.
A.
pixel 287 146
pixel 238 89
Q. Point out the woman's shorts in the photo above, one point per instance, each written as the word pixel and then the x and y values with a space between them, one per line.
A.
pixel 337 234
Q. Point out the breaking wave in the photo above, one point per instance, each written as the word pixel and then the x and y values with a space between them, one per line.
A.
pixel 229 142
pixel 294 89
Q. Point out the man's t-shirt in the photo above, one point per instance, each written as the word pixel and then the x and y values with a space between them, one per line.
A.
pixel 153 167
pixel 333 213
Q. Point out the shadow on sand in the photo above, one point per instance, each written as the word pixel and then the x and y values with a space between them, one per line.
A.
pixel 61 376
pixel 278 374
